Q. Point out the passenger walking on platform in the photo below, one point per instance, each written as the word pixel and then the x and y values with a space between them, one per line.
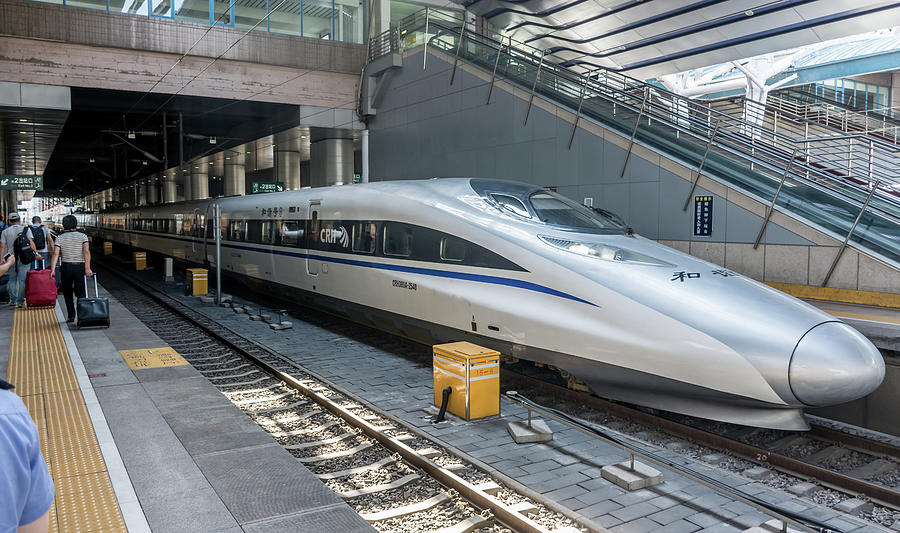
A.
pixel 16 284
pixel 73 250
pixel 26 490
pixel 40 237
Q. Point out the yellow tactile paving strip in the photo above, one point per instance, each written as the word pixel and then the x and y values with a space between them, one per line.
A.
pixel 40 369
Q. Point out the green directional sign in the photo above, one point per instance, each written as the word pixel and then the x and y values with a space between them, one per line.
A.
pixel 357 178
pixel 257 187
pixel 20 182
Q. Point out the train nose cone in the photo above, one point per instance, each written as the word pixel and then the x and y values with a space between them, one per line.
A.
pixel 833 363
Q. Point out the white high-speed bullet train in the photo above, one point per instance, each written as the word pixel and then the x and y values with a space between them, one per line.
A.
pixel 534 275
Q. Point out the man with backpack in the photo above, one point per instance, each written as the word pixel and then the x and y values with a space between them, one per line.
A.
pixel 14 241
pixel 40 238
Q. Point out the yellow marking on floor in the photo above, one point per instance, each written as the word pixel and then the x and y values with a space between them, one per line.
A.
pixel 879 299
pixel 864 316
pixel 152 358
pixel 40 368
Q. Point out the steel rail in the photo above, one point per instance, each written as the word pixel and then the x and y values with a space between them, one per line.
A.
pixel 480 499
pixel 883 495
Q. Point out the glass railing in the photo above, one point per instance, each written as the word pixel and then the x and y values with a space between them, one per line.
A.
pixel 337 20
pixel 727 148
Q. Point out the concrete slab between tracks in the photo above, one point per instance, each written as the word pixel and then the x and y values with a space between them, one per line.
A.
pixel 565 472
pixel 178 454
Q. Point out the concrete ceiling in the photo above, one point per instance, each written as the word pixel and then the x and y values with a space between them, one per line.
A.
pixel 649 38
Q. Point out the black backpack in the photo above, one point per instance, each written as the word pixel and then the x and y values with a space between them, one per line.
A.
pixel 37 234
pixel 23 250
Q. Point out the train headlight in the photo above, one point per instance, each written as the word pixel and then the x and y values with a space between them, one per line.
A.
pixel 602 251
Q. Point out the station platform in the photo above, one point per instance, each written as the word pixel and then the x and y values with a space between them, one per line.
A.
pixel 566 472
pixel 880 324
pixel 154 449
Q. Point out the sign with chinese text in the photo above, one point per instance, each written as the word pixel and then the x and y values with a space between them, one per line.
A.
pixel 703 213
pixel 21 182
pixel 258 187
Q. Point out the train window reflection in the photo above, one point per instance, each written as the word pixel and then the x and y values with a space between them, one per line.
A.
pixel 511 204
pixel 453 249
pixel 254 231
pixel 552 208
pixel 397 239
pixel 291 233
pixel 364 237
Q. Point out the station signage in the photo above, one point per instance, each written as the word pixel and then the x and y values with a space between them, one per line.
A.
pixel 258 187
pixel 703 212
pixel 21 182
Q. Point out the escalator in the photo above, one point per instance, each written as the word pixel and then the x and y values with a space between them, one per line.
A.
pixel 749 157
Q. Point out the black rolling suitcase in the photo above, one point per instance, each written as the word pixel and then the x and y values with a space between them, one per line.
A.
pixel 91 311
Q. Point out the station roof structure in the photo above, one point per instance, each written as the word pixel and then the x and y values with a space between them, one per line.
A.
pixel 650 38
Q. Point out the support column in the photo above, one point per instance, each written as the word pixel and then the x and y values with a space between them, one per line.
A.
pixel 186 180
pixel 153 190
pixel 169 190
pixel 331 162
pixel 141 193
pixel 287 160
pixel 199 184
pixel 235 177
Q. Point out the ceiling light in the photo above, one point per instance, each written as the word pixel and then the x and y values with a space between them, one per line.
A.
pixel 227 158
pixel 23 142
pixel 248 152
pixel 131 134
pixel 23 120
pixel 92 160
pixel 210 162
pixel 212 140
pixel 24 132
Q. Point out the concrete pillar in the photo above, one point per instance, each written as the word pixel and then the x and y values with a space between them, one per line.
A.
pixel 381 17
pixel 188 182
pixel 153 190
pixel 287 168
pixel 331 162
pixel 199 184
pixel 141 191
pixel 235 177
pixel 169 190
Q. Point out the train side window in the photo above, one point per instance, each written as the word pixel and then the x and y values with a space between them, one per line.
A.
pixel 291 233
pixel 237 230
pixel 364 237
pixel 453 249
pixel 397 239
pixel 268 230
pixel 254 231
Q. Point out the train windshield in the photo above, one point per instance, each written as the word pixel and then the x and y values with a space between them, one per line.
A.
pixel 557 210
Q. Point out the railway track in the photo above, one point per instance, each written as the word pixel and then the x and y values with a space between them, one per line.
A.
pixel 397 480
pixel 832 468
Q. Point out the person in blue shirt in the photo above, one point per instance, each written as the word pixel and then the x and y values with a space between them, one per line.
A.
pixel 26 490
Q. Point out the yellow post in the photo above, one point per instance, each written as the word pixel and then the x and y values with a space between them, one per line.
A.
pixel 140 260
pixel 473 374
pixel 107 248
pixel 197 281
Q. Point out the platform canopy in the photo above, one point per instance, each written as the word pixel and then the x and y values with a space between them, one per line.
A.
pixel 650 38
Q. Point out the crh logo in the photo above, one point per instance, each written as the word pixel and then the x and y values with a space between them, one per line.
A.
pixel 334 236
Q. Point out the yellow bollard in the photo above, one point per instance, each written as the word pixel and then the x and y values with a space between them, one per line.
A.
pixel 197 281
pixel 140 260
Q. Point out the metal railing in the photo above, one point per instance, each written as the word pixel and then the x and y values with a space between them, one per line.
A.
pixel 825 180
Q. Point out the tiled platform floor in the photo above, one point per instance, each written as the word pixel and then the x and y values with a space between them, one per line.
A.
pixel 186 460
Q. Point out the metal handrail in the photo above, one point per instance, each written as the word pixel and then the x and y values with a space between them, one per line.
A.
pixel 846 167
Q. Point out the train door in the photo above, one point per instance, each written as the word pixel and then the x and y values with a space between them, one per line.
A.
pixel 312 236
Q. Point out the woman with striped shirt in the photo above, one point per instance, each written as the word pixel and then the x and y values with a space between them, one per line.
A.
pixel 72 247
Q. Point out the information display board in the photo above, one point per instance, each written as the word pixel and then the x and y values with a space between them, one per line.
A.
pixel 703 216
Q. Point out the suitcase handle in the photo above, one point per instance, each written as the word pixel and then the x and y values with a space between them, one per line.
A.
pixel 96 290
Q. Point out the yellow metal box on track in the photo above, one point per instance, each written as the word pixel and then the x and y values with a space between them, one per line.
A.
pixel 473 374
pixel 197 281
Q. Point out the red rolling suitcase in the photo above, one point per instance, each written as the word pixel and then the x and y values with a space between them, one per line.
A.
pixel 40 288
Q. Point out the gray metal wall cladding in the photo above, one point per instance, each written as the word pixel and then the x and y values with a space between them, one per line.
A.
pixel 425 127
